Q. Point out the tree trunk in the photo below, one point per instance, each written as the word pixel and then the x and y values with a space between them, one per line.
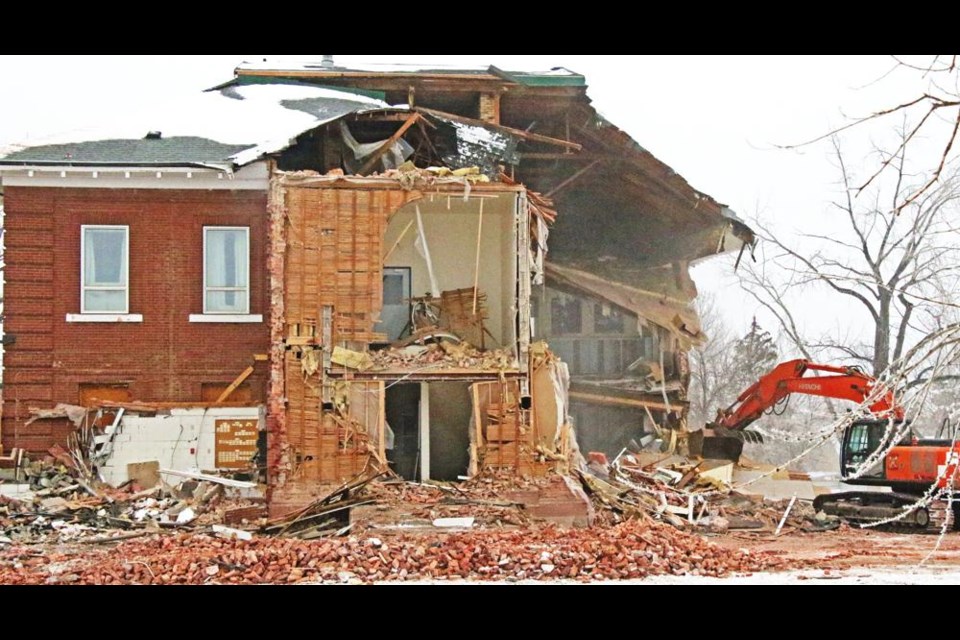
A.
pixel 881 335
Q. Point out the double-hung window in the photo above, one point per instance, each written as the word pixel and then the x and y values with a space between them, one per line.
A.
pixel 105 259
pixel 226 270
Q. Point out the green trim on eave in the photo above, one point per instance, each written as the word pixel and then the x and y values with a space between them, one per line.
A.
pixel 531 80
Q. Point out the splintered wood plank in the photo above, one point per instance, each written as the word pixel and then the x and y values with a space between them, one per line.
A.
pixel 236 383
pixel 376 155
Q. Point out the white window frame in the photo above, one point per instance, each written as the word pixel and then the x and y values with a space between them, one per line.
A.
pixel 83 271
pixel 225 314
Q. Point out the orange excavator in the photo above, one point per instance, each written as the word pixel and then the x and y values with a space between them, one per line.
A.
pixel 909 469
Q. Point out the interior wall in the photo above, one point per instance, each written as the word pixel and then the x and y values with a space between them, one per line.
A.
pixel 450 226
pixel 450 411
pixel 606 429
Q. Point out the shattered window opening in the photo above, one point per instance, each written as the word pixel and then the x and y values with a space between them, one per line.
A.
pixel 566 315
pixel 607 319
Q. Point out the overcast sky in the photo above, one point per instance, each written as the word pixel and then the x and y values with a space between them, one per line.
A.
pixel 717 120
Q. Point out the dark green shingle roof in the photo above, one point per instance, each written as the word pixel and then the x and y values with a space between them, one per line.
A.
pixel 163 151
pixel 228 127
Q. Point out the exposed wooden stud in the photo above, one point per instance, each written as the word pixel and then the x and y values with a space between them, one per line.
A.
pixel 572 179
pixel 376 155
pixel 476 269
pixel 533 137
pixel 381 421
pixel 478 429
pixel 663 372
pixel 233 385
pixel 400 239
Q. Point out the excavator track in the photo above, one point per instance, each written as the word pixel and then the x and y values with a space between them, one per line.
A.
pixel 866 506
pixel 940 513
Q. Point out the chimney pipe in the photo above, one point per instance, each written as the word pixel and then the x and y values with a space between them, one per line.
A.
pixel 327 62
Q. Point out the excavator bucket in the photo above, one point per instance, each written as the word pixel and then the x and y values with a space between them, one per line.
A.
pixel 719 443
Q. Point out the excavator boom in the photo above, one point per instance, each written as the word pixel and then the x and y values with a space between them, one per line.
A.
pixel 724 437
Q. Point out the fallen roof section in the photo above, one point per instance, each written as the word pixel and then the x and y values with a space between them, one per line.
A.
pixel 670 313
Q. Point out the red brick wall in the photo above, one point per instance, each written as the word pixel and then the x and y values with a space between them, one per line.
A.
pixel 164 358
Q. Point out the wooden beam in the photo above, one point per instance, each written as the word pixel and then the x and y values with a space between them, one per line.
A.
pixel 526 135
pixel 163 406
pixel 431 83
pixel 236 383
pixel 583 156
pixel 373 75
pixel 376 155
pixel 621 402
pixel 572 178
pixel 387 115
pixel 414 374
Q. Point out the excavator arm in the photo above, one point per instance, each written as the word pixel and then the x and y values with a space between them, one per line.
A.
pixel 787 378
pixel 724 437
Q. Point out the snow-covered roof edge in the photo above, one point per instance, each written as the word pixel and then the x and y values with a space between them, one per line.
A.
pixel 259 118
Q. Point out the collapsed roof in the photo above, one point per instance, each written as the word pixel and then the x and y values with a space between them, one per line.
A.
pixel 624 214
pixel 223 128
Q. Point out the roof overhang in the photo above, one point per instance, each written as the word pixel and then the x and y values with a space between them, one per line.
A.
pixel 253 177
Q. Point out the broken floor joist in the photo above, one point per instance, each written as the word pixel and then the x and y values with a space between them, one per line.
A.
pixel 620 402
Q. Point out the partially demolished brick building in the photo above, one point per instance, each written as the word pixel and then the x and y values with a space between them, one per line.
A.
pixel 434 271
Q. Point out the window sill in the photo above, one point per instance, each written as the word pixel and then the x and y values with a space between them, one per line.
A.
pixel 104 317
pixel 226 318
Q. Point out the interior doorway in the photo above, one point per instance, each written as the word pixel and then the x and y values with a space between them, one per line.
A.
pixel 431 430
pixel 451 408
pixel 402 406
pixel 395 314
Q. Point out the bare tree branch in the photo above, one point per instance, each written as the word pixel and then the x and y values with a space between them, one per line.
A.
pixel 939 101
pixel 892 265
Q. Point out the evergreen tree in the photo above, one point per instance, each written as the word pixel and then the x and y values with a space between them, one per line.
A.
pixel 754 355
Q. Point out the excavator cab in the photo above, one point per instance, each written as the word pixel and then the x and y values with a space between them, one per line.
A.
pixel 860 440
